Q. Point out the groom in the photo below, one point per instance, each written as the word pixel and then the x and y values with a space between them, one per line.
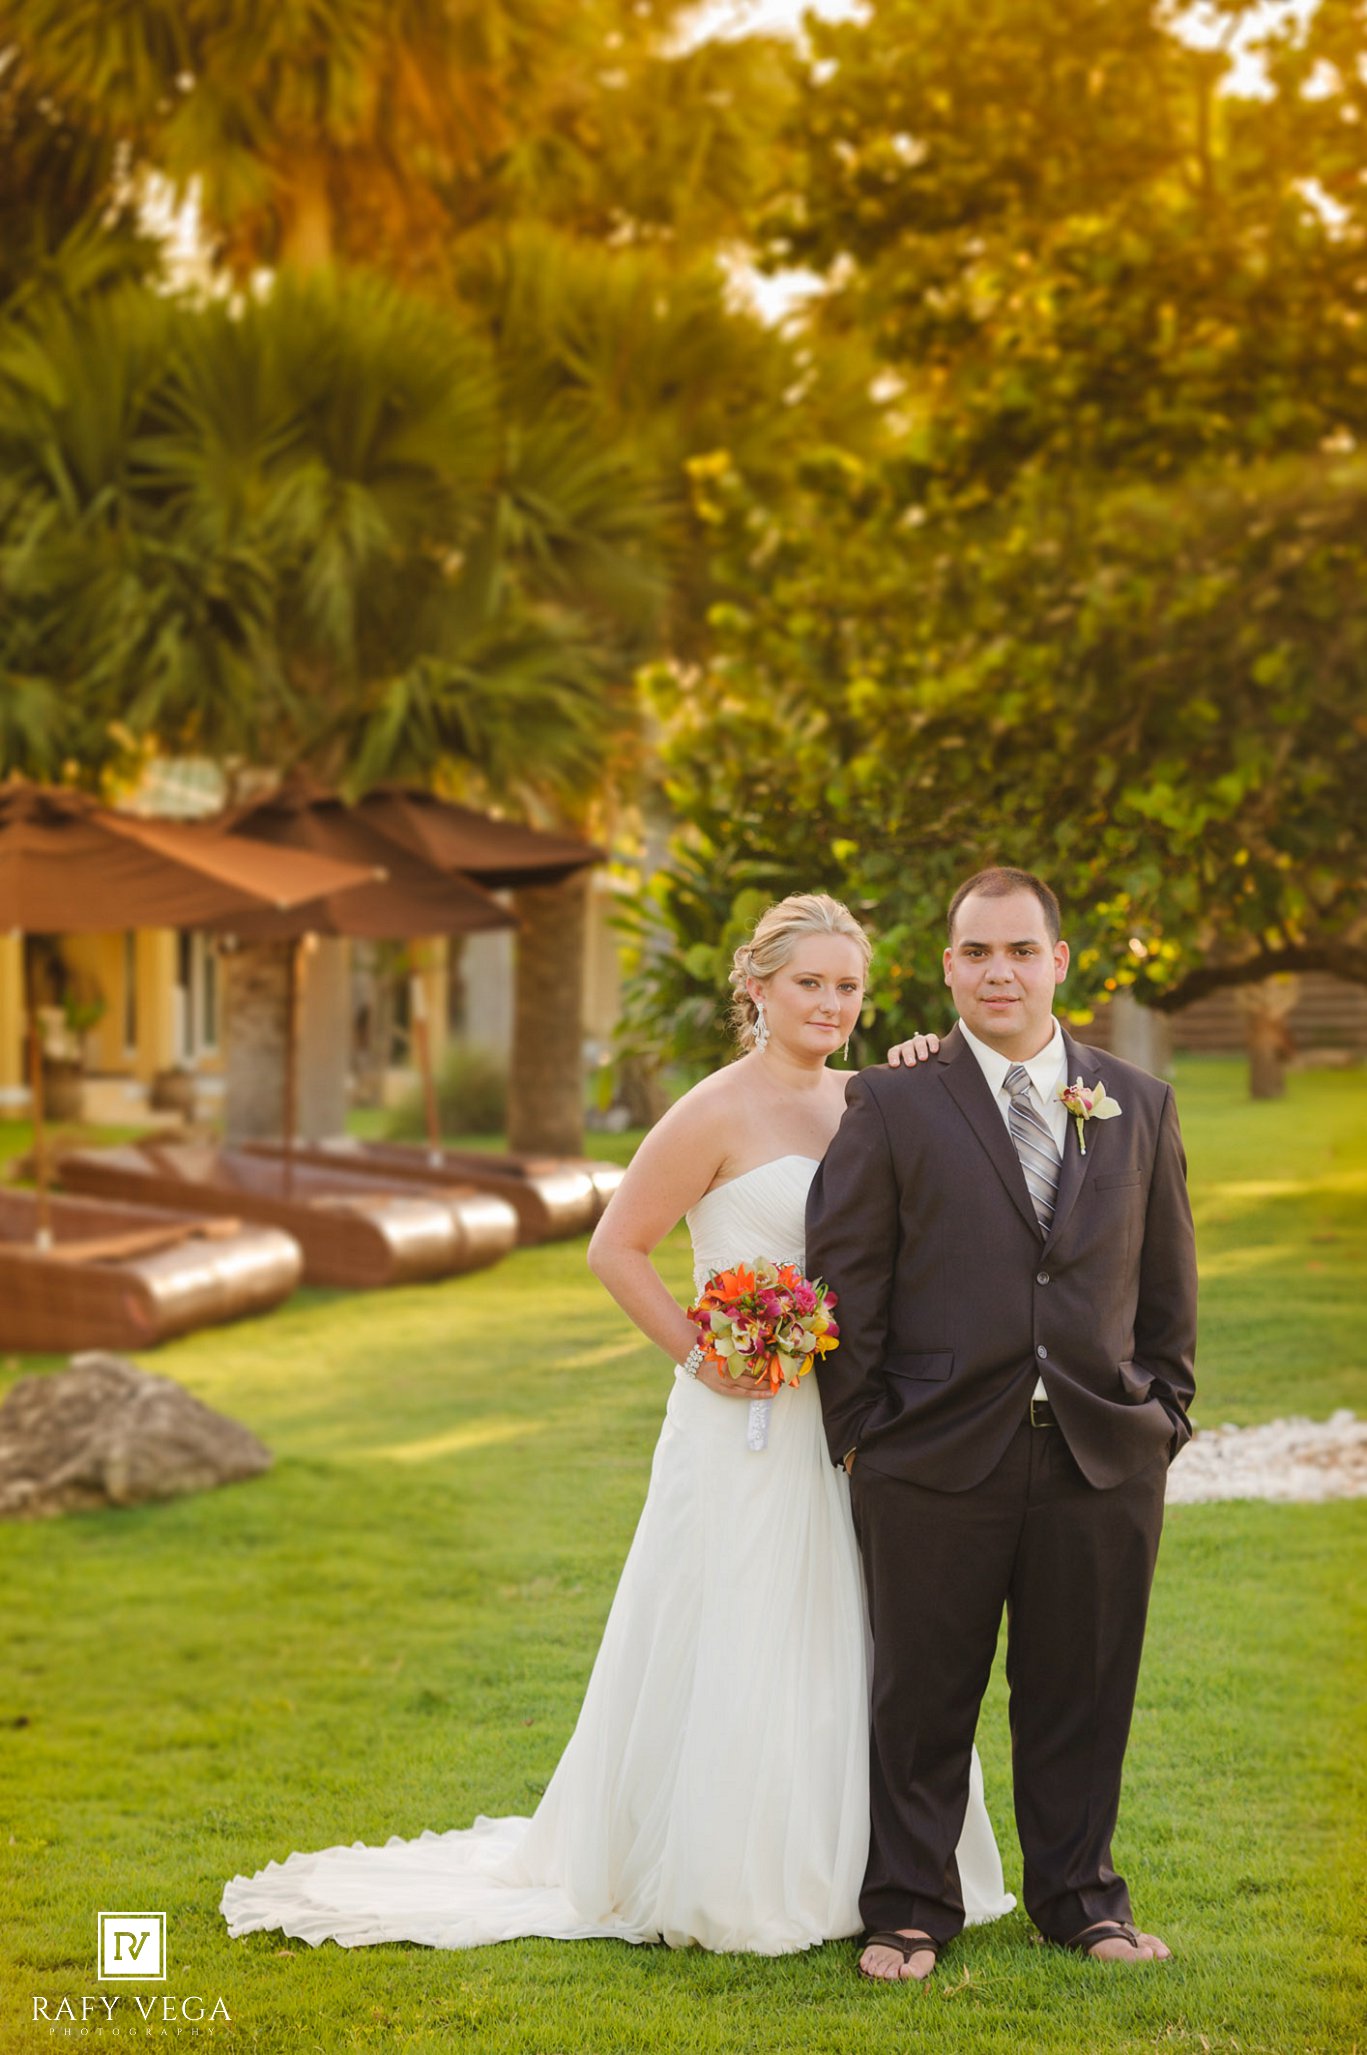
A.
pixel 1017 1326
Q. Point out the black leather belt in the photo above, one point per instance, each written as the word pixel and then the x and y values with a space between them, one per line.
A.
pixel 1042 1413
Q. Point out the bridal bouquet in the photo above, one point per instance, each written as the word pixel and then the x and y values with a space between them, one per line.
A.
pixel 764 1318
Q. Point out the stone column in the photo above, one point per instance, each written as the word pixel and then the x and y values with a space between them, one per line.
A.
pixel 255 988
pixel 324 1037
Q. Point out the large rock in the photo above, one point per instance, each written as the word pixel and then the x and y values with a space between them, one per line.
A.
pixel 105 1433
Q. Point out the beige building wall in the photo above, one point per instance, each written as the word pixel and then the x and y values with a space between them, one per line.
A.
pixel 156 1002
pixel 486 968
pixel 96 963
pixel 13 1070
pixel 487 971
pixel 602 961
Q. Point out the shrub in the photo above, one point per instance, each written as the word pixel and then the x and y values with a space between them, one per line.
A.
pixel 472 1096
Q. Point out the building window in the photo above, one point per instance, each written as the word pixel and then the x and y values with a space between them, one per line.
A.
pixel 196 997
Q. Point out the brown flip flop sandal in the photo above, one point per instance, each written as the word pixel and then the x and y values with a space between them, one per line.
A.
pixel 1105 1930
pixel 919 1944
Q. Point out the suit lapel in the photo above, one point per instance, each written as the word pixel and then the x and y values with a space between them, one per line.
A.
pixel 969 1089
pixel 1087 1064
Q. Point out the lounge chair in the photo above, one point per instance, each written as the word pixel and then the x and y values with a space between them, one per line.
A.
pixel 552 1203
pixel 524 1170
pixel 354 1229
pixel 128 1277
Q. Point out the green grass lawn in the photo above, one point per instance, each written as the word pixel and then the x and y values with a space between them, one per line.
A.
pixel 392 1631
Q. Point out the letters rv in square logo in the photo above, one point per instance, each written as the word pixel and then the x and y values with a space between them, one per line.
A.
pixel 132 1944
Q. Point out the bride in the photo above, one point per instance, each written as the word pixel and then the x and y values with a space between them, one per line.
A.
pixel 715 1789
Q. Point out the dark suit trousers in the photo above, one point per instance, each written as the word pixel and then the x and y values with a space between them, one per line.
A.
pixel 1072 1566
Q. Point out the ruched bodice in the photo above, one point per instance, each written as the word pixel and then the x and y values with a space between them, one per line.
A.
pixel 760 1213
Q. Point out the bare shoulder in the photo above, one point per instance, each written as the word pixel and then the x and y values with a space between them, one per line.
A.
pixel 711 1103
pixel 675 1164
pixel 695 1128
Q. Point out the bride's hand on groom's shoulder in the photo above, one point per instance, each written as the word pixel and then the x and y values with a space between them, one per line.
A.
pixel 917 1049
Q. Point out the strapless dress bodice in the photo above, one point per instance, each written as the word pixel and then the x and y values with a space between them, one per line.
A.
pixel 761 1213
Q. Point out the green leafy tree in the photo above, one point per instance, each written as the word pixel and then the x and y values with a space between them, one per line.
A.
pixel 890 707
pixel 1074 247
pixel 1096 608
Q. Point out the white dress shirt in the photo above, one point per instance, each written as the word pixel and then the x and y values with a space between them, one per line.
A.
pixel 1046 1073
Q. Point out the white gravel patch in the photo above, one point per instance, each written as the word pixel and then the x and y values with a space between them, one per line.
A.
pixel 1296 1462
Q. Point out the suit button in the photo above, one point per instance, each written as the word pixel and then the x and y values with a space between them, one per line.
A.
pixel 1042 1277
pixel 1041 1350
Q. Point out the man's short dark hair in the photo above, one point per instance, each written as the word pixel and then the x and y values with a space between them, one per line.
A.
pixel 999 883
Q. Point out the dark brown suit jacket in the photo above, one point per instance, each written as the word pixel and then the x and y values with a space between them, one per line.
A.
pixel 952 1300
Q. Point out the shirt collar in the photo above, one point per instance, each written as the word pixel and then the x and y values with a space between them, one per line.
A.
pixel 1045 1071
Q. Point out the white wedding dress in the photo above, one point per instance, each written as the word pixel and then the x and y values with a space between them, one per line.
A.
pixel 715 1789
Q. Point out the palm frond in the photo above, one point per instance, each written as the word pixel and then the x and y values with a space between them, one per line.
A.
pixel 521 704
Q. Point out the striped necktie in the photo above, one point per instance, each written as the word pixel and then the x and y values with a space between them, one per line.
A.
pixel 1035 1145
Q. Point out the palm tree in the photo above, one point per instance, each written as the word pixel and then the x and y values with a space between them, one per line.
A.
pixel 324 130
pixel 611 350
pixel 499 146
pixel 274 536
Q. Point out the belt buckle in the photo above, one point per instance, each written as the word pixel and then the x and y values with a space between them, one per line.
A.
pixel 1036 1420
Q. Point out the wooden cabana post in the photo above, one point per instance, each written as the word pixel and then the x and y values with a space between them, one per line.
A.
pixel 43 1230
pixel 422 1049
pixel 290 1111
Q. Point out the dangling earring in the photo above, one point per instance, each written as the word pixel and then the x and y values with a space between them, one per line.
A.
pixel 761 1027
pixel 847 1048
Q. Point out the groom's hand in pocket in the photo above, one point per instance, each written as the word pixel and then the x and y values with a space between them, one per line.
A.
pixel 918 1049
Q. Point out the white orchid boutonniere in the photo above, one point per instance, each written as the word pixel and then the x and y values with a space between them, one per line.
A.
pixel 1088 1102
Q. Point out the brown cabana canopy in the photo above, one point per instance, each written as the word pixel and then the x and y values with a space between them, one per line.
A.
pixel 402 825
pixel 457 838
pixel 67 864
pixel 412 897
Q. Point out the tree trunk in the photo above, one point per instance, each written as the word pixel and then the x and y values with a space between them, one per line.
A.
pixel 1266 1058
pixel 306 208
pixel 1267 1054
pixel 1270 1045
pixel 1140 1036
pixel 255 999
pixel 546 1085
pixel 640 1088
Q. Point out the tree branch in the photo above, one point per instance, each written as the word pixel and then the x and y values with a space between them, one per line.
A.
pixel 1342 959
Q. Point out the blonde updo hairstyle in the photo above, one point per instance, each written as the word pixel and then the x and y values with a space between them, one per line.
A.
pixel 776 935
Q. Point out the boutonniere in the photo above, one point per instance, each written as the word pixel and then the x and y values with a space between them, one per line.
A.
pixel 1088 1102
